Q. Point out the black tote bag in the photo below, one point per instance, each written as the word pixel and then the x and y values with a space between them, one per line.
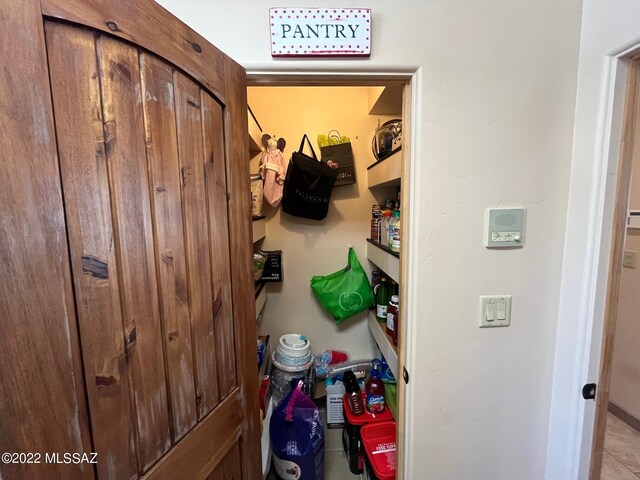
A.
pixel 308 185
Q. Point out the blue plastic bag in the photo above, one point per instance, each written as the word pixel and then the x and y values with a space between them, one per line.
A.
pixel 297 438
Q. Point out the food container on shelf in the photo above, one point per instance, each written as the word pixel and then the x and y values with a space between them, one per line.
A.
pixel 293 353
pixel 291 360
pixel 388 139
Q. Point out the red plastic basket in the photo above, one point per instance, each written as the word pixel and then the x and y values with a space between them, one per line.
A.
pixel 379 440
pixel 366 417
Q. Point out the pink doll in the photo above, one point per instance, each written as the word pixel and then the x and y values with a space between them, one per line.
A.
pixel 273 169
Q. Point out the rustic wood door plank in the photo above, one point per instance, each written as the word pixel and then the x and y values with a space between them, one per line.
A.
pixel 43 406
pixel 232 464
pixel 78 115
pixel 189 122
pixel 216 196
pixel 125 149
pixel 150 26
pixel 206 445
pixel 230 468
pixel 162 154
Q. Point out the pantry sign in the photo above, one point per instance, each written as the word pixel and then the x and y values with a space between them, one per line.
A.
pixel 320 32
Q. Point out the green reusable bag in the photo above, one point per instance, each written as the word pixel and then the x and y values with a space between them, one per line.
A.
pixel 345 292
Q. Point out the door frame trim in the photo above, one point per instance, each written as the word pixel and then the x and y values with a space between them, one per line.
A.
pixel 582 323
pixel 411 78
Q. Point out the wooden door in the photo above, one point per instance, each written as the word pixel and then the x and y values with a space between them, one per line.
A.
pixel 125 256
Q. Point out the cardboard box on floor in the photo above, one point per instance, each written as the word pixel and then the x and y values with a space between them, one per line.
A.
pixel 335 414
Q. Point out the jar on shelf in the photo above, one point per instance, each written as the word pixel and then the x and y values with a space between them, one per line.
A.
pixel 392 315
pixel 394 241
pixel 384 227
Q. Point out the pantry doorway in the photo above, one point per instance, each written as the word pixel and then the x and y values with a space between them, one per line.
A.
pixel 407 84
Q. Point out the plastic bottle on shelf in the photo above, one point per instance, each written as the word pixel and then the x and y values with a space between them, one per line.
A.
pixel 393 224
pixel 354 395
pixel 396 326
pixel 375 390
pixel 392 315
pixel 384 227
pixel 382 300
pixel 394 241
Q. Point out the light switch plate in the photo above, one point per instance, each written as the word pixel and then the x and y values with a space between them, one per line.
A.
pixel 629 259
pixel 495 311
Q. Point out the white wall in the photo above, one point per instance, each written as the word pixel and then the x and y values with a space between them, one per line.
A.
pixel 311 247
pixel 495 99
pixel 609 27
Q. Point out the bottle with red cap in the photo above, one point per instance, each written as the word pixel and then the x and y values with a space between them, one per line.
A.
pixel 375 389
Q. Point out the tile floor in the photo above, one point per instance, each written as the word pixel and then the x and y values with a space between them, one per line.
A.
pixel 621 460
pixel 335 460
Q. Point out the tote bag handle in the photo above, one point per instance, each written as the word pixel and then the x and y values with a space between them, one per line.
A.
pixel 335 135
pixel 315 157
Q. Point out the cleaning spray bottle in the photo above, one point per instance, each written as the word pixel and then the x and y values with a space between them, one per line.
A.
pixel 375 389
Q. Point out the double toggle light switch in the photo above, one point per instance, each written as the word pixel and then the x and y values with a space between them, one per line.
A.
pixel 495 310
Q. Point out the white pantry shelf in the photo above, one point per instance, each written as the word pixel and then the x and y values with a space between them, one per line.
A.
pixel 386 261
pixel 378 330
pixel 386 100
pixel 261 299
pixel 259 225
pixel 387 172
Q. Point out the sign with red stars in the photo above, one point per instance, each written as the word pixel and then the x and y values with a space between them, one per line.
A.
pixel 320 32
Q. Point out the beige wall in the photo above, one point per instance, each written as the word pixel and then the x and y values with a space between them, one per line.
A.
pixel 311 247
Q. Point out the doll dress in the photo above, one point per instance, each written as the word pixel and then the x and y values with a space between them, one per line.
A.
pixel 273 170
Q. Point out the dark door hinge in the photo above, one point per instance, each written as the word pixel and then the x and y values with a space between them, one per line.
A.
pixel 405 375
pixel 589 391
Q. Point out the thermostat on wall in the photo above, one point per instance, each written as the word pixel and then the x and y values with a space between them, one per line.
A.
pixel 504 228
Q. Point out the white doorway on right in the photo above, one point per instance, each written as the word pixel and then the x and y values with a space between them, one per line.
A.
pixel 617 436
pixel 621 455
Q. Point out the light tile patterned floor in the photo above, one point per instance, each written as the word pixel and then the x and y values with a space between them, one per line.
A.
pixel 336 466
pixel 621 460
